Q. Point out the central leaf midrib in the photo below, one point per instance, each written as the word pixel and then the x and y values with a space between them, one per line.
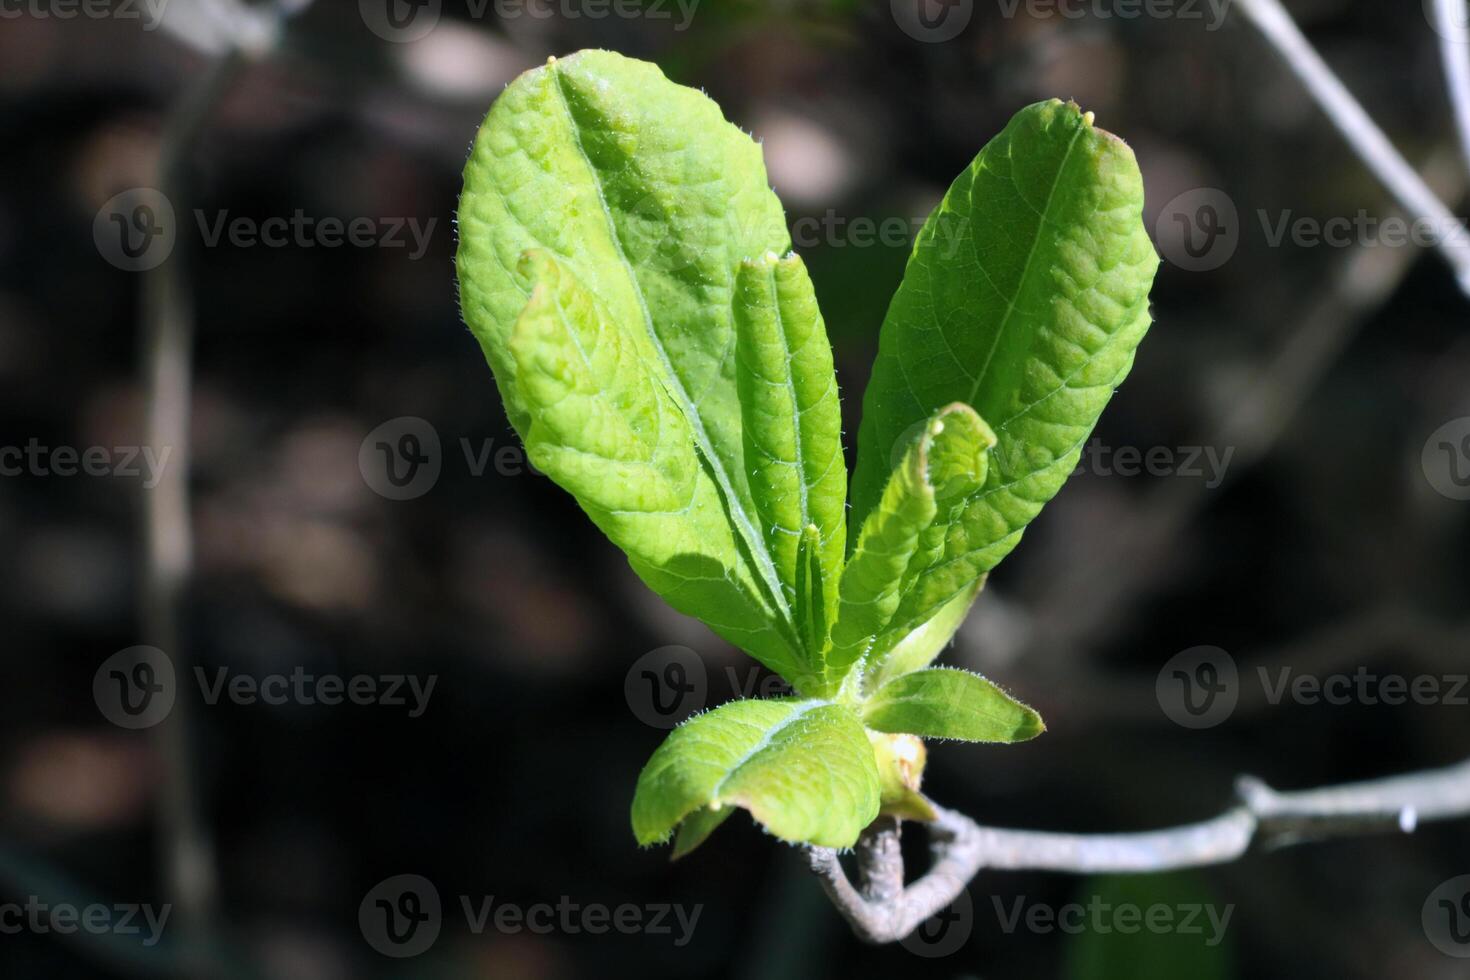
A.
pixel 789 383
pixel 766 570
pixel 1014 303
pixel 765 742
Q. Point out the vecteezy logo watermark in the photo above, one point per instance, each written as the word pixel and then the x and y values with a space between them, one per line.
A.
pixel 137 687
pixel 1126 918
pixel 932 21
pixel 1199 230
pixel 1446 917
pixel 945 932
pixel 402 917
pixel 64 919
pixel 1198 687
pixel 135 230
pixel 1211 11
pixel 1446 459
pixel 402 459
pixel 150 12
pixel 402 21
pixel 35 459
pixel 667 685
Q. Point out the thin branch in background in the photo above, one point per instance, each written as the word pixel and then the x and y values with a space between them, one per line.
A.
pixel 166 311
pixel 1262 818
pixel 1362 133
pixel 219 27
pixel 167 314
pixel 1452 24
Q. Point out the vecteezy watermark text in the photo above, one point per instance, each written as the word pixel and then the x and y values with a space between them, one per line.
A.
pixel 668 684
pixel 402 916
pixel 1365 687
pixel 403 458
pixel 137 229
pixel 1211 12
pixel 39 460
pixel 405 21
pixel 96 919
pixel 302 230
pixel 1102 917
pixel 1201 229
pixel 1201 687
pixel 1190 462
pixel 305 689
pixel 150 12
pixel 136 688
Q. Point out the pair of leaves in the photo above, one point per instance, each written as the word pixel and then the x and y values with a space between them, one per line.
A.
pixel 626 269
pixel 656 245
pixel 805 768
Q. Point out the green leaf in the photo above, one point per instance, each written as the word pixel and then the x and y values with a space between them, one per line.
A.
pixel 901 759
pixel 815 602
pixel 643 191
pixel 697 827
pixel 924 645
pixel 793 432
pixel 944 462
pixel 602 427
pixel 945 703
pixel 1025 297
pixel 804 769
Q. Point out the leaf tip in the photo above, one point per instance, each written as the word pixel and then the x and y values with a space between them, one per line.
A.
pixel 1031 726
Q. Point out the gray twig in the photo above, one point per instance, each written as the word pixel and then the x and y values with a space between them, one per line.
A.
pixel 167 314
pixel 1099 590
pixel 1262 818
pixel 1452 24
pixel 1362 133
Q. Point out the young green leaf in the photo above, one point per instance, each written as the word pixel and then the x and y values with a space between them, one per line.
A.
pixel 603 428
pixel 815 601
pixel 943 464
pixel 697 827
pixel 1025 297
pixel 946 703
pixel 652 200
pixel 924 645
pixel 793 433
pixel 901 759
pixel 804 769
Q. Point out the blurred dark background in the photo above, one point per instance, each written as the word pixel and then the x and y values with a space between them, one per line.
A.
pixel 1326 543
